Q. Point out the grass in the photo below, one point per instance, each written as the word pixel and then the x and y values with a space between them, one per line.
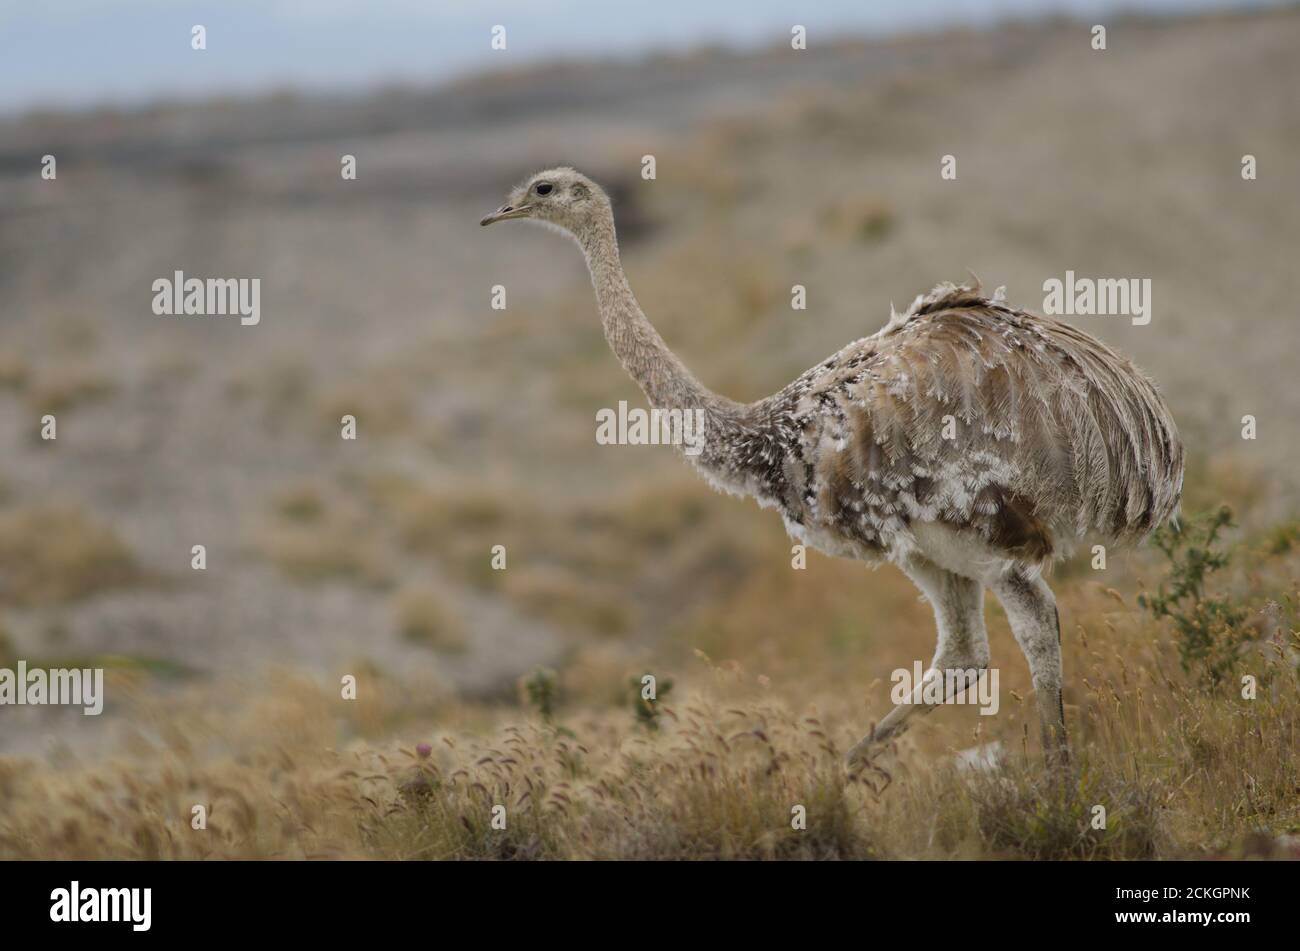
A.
pixel 765 675
pixel 319 553
pixel 14 370
pixel 866 218
pixel 739 765
pixel 719 781
pixel 312 538
pixel 422 617
pixel 65 386
pixel 380 406
pixel 53 552
pixel 592 568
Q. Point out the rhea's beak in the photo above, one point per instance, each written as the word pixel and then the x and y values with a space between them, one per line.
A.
pixel 506 212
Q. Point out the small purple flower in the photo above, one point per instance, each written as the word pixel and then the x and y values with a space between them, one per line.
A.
pixel 423 750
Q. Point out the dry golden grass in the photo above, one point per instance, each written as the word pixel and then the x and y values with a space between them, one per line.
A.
pixel 590 568
pixel 304 502
pixel 380 403
pixel 14 370
pixel 318 554
pixel 423 617
pixel 51 553
pixel 721 779
pixel 1180 770
pixel 861 218
pixel 567 601
pixel 313 538
pixel 63 386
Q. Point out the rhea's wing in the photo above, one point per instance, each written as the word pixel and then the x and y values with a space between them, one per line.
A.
pixel 974 414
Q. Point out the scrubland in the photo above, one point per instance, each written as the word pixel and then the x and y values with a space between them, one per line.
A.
pixel 761 688
pixel 518 688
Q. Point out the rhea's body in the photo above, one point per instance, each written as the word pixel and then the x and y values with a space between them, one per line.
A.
pixel 962 415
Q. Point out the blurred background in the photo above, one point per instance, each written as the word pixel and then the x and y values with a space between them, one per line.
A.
pixel 476 426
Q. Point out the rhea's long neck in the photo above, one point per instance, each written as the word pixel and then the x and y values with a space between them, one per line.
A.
pixel 663 378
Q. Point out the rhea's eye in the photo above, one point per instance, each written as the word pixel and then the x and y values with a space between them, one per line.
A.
pixel 543 188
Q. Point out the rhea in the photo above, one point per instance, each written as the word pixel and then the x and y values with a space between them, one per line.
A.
pixel 967 442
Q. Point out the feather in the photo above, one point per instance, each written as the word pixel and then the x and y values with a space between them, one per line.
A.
pixel 1057 435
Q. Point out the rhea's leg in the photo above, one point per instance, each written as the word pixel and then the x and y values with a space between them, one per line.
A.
pixel 1031 609
pixel 963 647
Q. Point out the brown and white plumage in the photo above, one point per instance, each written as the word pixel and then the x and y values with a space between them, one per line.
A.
pixel 967 412
pixel 967 442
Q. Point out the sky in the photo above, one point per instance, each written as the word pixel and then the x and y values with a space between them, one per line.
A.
pixel 85 53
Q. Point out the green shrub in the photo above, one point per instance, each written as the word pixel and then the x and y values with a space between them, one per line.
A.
pixel 1210 631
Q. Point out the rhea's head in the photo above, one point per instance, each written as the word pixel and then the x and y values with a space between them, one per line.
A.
pixel 557 196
